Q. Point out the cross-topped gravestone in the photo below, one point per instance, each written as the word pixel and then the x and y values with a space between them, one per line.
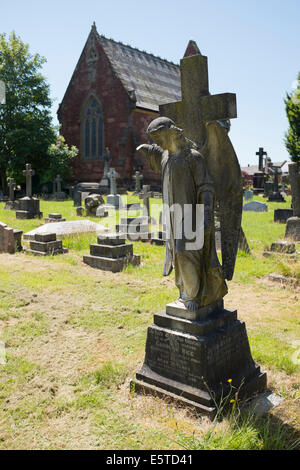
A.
pixel 107 160
pixel 261 153
pixel 29 174
pixel 58 181
pixel 145 195
pixel 112 174
pixel 138 179
pixel 197 106
pixel 12 187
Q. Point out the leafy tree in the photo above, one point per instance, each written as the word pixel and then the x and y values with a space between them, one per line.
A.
pixel 26 130
pixel 60 157
pixel 292 137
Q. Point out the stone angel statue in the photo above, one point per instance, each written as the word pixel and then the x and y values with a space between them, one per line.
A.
pixel 193 178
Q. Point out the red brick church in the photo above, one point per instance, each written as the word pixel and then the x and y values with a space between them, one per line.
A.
pixel 113 95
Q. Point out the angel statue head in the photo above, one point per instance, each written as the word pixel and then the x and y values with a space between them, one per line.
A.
pixel 166 134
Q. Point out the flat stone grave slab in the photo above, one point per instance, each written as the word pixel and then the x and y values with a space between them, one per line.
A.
pixel 255 206
pixel 63 229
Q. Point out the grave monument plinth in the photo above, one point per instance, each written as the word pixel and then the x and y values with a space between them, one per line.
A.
pixel 28 206
pixel 46 245
pixel 111 253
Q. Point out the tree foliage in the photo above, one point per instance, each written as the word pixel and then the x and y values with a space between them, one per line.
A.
pixel 60 157
pixel 26 129
pixel 292 137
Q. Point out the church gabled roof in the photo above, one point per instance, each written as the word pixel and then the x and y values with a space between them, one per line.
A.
pixel 154 80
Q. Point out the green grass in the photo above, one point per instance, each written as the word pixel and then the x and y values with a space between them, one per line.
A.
pixel 75 336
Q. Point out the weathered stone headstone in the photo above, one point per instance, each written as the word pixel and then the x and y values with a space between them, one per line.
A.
pixel 261 153
pixel 138 180
pixel 10 239
pixel 29 206
pixel 45 245
pixel 92 202
pixel 104 183
pixel 10 204
pixel 82 190
pixel 255 206
pixel 58 195
pixel 111 253
pixel 113 199
pixel 248 194
pixel 282 215
pixel 276 196
pixel 146 194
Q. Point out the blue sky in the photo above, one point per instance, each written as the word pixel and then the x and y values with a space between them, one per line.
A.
pixel 252 47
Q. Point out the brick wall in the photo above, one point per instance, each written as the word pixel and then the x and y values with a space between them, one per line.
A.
pixel 124 127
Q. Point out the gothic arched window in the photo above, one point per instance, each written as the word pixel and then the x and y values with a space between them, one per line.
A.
pixel 92 134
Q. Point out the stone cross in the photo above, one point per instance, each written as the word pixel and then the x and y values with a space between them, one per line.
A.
pixel 58 181
pixel 138 178
pixel 261 153
pixel 112 175
pixel 197 106
pixel 29 174
pixel 107 160
pixel 12 187
pixel 145 195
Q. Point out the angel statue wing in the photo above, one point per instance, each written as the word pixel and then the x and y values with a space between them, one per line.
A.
pixel 224 169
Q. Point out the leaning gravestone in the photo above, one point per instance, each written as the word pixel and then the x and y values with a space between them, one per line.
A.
pixel 92 202
pixel 29 206
pixel 255 206
pixel 197 349
pixel 111 253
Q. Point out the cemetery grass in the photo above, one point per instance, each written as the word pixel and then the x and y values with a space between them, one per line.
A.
pixel 75 336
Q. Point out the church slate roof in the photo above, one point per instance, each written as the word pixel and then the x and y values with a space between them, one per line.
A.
pixel 154 80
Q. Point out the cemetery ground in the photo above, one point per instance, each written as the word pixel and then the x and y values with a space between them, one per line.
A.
pixel 75 336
